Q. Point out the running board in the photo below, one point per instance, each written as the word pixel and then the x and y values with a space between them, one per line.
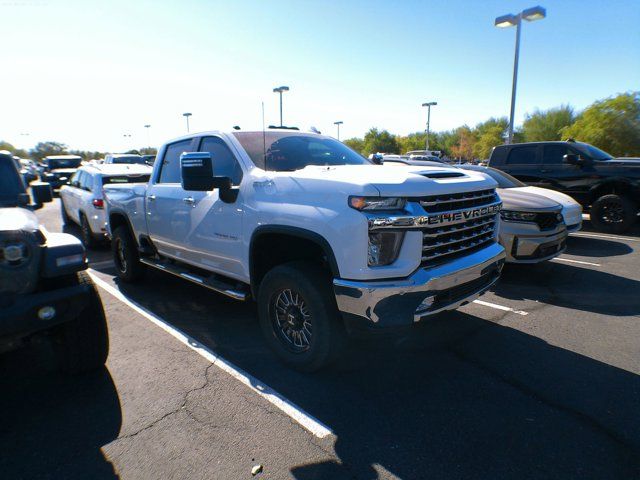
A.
pixel 208 282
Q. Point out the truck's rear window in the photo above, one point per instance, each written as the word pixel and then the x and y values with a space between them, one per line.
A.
pixel 286 151
pixel 113 179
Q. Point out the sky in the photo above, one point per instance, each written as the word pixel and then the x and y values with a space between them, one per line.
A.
pixel 88 73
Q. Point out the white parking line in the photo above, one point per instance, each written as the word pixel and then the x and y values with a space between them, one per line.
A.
pixel 575 261
pixel 500 307
pixel 296 413
pixel 608 237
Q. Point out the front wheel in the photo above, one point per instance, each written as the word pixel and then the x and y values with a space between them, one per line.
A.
pixel 613 214
pixel 299 316
pixel 83 343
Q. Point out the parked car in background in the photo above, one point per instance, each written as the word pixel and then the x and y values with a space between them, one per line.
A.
pixel 82 201
pixel 609 188
pixel 44 294
pixel 124 158
pixel 149 159
pixel 571 210
pixel 28 170
pixel 58 169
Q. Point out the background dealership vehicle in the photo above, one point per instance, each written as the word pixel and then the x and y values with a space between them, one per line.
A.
pixel 82 201
pixel 57 169
pixel 532 229
pixel 608 187
pixel 571 210
pixel 43 291
pixel 124 158
pixel 319 236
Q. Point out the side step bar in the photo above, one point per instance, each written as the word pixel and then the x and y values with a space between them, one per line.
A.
pixel 208 282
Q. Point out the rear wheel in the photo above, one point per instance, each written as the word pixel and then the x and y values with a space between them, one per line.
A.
pixel 299 316
pixel 126 256
pixel 613 213
pixel 88 239
pixel 83 343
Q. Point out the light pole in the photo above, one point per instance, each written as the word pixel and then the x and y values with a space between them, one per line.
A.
pixel 187 115
pixel 428 105
pixel 148 137
pixel 280 90
pixel 510 20
pixel 338 123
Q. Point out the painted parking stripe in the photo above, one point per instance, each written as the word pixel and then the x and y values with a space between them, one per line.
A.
pixel 500 307
pixel 608 237
pixel 310 423
pixel 560 259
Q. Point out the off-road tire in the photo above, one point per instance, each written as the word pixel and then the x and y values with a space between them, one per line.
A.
pixel 313 284
pixel 613 213
pixel 87 237
pixel 82 344
pixel 126 256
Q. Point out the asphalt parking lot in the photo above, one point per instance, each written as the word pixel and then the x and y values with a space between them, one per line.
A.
pixel 540 379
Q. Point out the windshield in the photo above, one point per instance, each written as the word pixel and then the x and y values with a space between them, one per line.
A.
pixel 111 179
pixel 592 152
pixel 131 159
pixel 287 152
pixel 64 163
pixel 504 179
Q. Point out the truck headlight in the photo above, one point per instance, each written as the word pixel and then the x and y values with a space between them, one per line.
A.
pixel 514 216
pixel 384 248
pixel 376 203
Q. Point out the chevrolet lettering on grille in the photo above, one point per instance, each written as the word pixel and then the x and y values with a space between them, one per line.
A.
pixel 459 216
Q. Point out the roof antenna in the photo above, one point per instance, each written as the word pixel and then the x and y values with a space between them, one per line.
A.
pixel 264 140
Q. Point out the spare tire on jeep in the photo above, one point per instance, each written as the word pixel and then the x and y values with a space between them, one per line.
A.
pixel 83 343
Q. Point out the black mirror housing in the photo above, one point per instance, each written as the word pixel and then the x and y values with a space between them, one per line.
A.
pixel 41 192
pixel 197 173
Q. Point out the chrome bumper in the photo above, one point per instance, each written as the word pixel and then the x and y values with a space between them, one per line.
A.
pixel 391 303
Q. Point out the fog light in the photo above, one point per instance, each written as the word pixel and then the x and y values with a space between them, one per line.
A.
pixel 46 313
pixel 426 304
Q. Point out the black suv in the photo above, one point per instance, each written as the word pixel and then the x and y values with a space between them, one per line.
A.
pixel 57 169
pixel 607 187
pixel 43 291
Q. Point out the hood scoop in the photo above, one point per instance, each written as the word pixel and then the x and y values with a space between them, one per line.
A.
pixel 441 174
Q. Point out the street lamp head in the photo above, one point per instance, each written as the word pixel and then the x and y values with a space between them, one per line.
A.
pixel 429 104
pixel 534 13
pixel 187 114
pixel 147 126
pixel 505 21
pixel 281 89
pixel 338 123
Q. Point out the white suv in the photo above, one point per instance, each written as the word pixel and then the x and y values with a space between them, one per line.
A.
pixel 82 201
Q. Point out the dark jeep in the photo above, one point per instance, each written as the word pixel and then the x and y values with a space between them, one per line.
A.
pixel 44 292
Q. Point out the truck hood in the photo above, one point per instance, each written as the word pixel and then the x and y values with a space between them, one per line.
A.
pixel 517 199
pixel 12 219
pixel 624 161
pixel 401 181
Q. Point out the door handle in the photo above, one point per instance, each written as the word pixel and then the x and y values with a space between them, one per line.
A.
pixel 151 198
pixel 189 201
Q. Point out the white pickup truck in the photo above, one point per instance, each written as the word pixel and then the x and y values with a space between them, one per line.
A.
pixel 325 241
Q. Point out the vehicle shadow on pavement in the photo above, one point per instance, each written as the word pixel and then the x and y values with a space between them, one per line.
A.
pixel 595 247
pixel 54 425
pixel 572 287
pixel 457 397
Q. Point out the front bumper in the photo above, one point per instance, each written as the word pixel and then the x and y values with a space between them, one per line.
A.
pixel 395 303
pixel 20 318
pixel 525 243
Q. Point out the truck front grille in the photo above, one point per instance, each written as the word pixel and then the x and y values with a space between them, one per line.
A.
pixel 446 242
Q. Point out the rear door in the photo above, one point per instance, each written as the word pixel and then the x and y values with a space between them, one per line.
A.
pixel 525 163
pixel 167 207
pixel 574 180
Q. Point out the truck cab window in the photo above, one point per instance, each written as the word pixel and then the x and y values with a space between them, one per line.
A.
pixel 225 163
pixel 552 154
pixel 522 156
pixel 170 169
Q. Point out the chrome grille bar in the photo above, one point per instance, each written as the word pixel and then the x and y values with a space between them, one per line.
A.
pixel 430 233
pixel 458 240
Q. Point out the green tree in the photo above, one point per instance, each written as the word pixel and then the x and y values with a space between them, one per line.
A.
pixel 44 149
pixel 379 141
pixel 547 125
pixel 13 150
pixel 488 134
pixel 612 124
pixel 355 143
pixel 464 147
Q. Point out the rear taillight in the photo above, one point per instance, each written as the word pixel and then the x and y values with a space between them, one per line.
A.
pixel 98 203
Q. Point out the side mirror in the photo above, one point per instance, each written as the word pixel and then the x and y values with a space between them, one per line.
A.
pixel 41 193
pixel 23 199
pixel 572 159
pixel 197 173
